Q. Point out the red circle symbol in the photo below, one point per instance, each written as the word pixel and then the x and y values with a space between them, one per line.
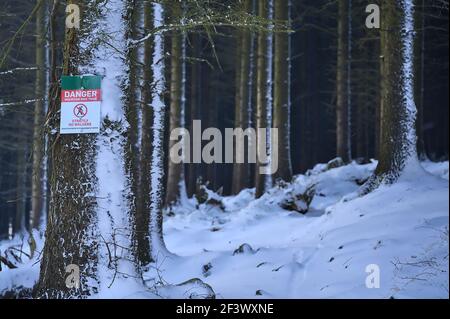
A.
pixel 80 110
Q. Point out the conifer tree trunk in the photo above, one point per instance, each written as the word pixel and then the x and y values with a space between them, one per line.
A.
pixel 196 107
pixel 175 175
pixel 241 171
pixel 21 177
pixel 282 103
pixel 152 152
pixel 158 109
pixel 398 111
pixel 262 99
pixel 38 182
pixel 343 102
pixel 143 222
pixel 419 68
pixel 138 192
pixel 71 218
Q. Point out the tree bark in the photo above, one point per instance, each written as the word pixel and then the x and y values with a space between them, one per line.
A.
pixel 196 106
pixel 343 148
pixel 175 175
pixel 71 218
pixel 282 103
pixel 398 137
pixel 38 196
pixel 241 171
pixel 134 163
pixel 142 222
pixel 262 79
pixel 419 83
pixel 21 178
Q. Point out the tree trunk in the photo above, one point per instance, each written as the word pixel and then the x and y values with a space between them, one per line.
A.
pixel 71 218
pixel 343 102
pixel 152 152
pixel 419 67
pixel 282 103
pixel 133 111
pixel 175 175
pixel 142 221
pixel 398 137
pixel 196 106
pixel 21 193
pixel 38 196
pixel 157 245
pixel 262 98
pixel 241 171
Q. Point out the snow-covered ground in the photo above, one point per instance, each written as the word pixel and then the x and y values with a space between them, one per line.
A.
pixel 255 249
pixel 403 229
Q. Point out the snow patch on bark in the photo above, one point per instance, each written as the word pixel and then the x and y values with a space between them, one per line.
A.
pixel 407 78
pixel 159 109
pixel 115 264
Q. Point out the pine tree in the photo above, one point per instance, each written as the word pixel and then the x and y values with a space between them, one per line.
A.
pixel 241 171
pixel 398 111
pixel 38 199
pixel 71 216
pixel 263 96
pixel 175 172
pixel 282 82
pixel 419 72
pixel 137 192
pixel 343 89
pixel 153 125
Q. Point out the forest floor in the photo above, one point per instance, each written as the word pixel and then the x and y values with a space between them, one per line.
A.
pixel 246 248
pixel 403 229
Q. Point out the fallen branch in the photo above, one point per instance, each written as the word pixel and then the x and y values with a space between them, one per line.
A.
pixel 8 264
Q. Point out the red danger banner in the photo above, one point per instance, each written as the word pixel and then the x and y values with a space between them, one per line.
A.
pixel 80 95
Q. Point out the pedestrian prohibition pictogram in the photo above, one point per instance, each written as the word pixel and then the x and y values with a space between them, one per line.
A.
pixel 80 110
pixel 80 104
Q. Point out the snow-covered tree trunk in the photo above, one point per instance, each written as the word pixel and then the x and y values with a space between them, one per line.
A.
pixel 71 218
pixel 89 217
pixel 133 111
pixel 157 165
pixel 153 125
pixel 398 113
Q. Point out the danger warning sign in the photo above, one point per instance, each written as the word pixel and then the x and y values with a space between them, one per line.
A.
pixel 80 104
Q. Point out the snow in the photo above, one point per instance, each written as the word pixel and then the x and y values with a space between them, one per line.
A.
pixel 25 275
pixel 323 254
pixel 255 249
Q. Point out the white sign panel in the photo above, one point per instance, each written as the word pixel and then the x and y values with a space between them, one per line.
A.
pixel 80 111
